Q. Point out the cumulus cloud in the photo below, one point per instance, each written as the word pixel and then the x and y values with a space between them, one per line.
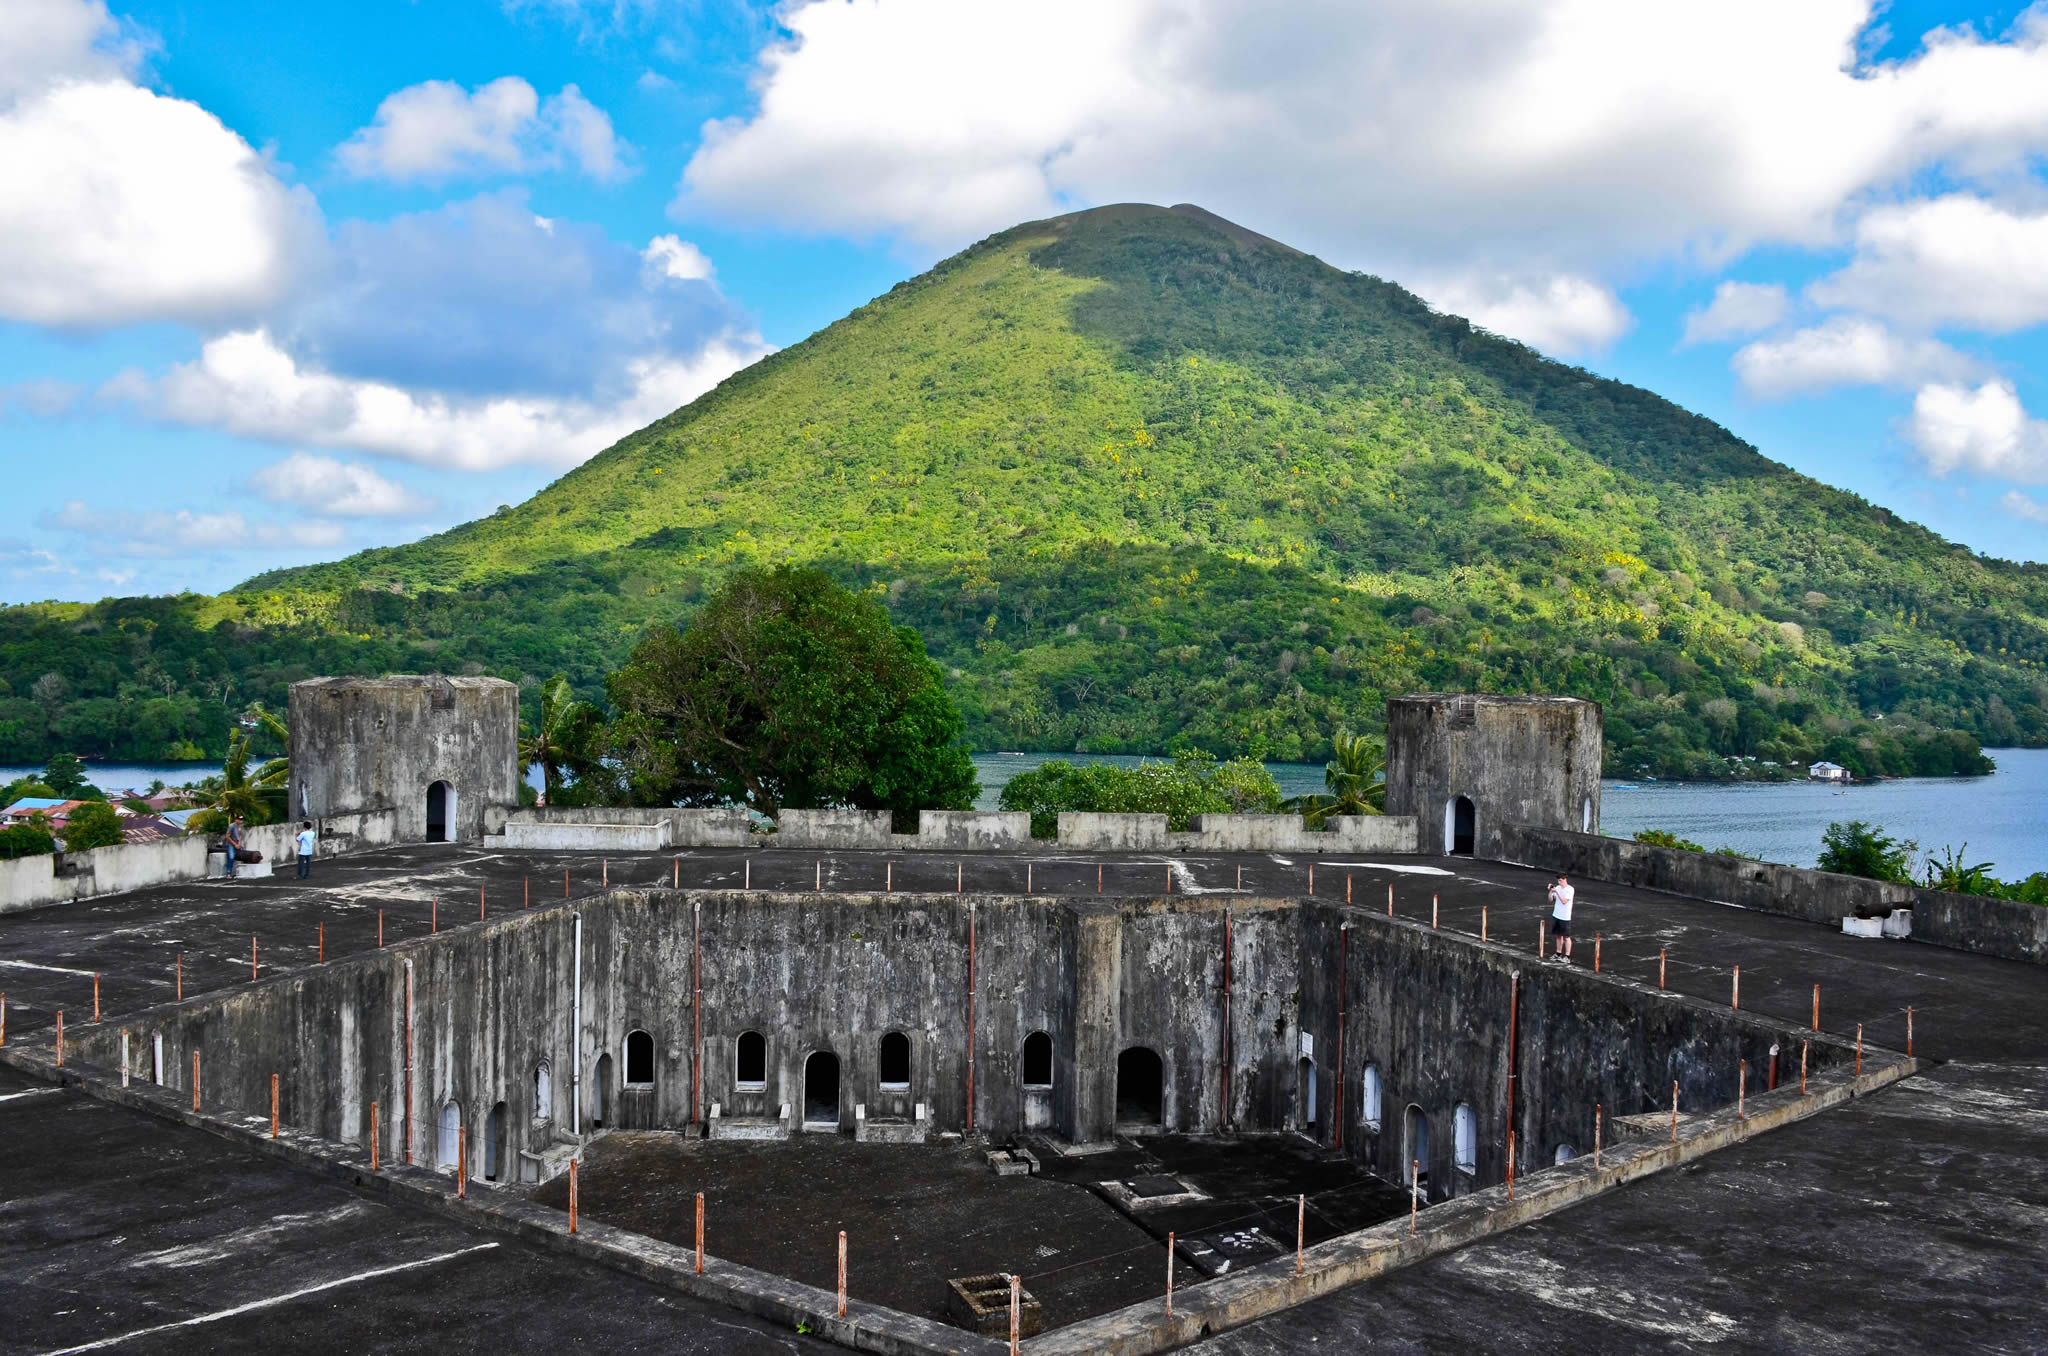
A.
pixel 2024 506
pixel 163 532
pixel 1738 310
pixel 676 258
pixel 340 489
pixel 1553 136
pixel 245 384
pixel 121 204
pixel 1983 429
pixel 1562 315
pixel 438 130
pixel 1957 259
pixel 44 396
pixel 428 300
pixel 1846 351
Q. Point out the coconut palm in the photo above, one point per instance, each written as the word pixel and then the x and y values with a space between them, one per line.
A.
pixel 559 738
pixel 237 790
pixel 1355 781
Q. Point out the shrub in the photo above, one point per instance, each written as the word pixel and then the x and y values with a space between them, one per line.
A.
pixel 1665 839
pixel 1862 849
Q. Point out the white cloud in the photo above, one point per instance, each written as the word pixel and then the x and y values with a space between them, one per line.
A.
pixel 339 489
pixel 438 130
pixel 44 396
pixel 1985 430
pixel 1951 260
pixel 2024 506
pixel 245 384
pixel 163 532
pixel 1415 136
pixel 1562 315
pixel 673 257
pixel 1739 309
pixel 121 204
pixel 1846 351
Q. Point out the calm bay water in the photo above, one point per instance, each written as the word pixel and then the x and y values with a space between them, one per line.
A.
pixel 2003 817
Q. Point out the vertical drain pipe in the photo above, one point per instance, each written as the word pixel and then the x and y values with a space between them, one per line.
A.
pixel 1343 985
pixel 697 1017
pixel 576 1036
pixel 970 1017
pixel 1514 1023
pixel 408 1059
pixel 1228 914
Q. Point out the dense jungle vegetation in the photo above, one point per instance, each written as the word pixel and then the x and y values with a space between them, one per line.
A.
pixel 1146 482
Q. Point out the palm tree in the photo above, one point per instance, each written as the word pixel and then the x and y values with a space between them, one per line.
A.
pixel 238 791
pixel 1355 781
pixel 555 740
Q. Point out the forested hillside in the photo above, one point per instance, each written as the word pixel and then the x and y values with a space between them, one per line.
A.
pixel 1145 480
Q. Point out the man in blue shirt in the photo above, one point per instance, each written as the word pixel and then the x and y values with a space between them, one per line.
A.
pixel 234 843
pixel 306 841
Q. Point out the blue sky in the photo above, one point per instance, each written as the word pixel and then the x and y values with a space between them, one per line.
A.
pixel 288 281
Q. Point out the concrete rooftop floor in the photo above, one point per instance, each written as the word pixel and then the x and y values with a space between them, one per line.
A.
pixel 1916 1218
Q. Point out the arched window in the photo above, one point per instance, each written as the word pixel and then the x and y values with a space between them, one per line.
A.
pixel 639 1060
pixel 543 1091
pixel 1038 1060
pixel 1373 1094
pixel 448 1136
pixel 1586 815
pixel 1465 1138
pixel 1565 1154
pixel 895 1062
pixel 750 1062
pixel 1415 1145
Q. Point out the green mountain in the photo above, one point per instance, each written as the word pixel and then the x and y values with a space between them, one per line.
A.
pixel 1146 479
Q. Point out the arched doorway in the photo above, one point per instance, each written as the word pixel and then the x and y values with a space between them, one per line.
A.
pixel 1037 1081
pixel 601 1093
pixel 440 813
pixel 494 1144
pixel 448 1135
pixel 1306 1094
pixel 1140 1087
pixel 821 1088
pixel 1415 1147
pixel 1460 824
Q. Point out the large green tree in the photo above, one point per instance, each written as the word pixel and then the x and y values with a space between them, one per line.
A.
pixel 789 691
pixel 92 825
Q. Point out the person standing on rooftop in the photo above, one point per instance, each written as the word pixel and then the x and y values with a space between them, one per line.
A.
pixel 1561 897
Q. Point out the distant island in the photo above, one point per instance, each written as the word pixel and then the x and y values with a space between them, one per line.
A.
pixel 1145 480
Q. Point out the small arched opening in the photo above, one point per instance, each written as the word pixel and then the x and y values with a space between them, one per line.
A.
pixel 1140 1087
pixel 1465 1138
pixel 1373 1094
pixel 1565 1154
pixel 893 1063
pixel 1038 1060
pixel 821 1088
pixel 543 1091
pixel 639 1060
pixel 1460 826
pixel 750 1062
pixel 440 813
pixel 494 1144
pixel 1586 815
pixel 1415 1146
pixel 448 1135
pixel 601 1093
pixel 1305 1092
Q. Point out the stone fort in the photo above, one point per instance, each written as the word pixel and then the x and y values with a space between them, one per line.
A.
pixel 1181 1027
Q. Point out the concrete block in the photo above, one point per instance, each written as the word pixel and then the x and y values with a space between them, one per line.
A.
pixel 1853 926
pixel 620 838
pixel 1251 833
pixel 1087 831
pixel 847 829
pixel 1899 923
pixel 972 830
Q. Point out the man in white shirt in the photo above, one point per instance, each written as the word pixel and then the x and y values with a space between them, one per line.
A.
pixel 1561 896
pixel 306 842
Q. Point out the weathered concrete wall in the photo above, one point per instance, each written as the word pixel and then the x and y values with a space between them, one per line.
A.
pixel 1088 831
pixel 847 829
pixel 1991 927
pixel 1288 833
pixel 29 882
pixel 1433 1010
pixel 1519 760
pixel 381 743
pixel 972 830
pixel 589 837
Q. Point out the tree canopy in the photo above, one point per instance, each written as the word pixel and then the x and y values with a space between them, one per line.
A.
pixel 92 825
pixel 788 691
pixel 1192 784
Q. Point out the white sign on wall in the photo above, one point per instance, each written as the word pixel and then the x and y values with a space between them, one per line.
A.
pixel 1308 1045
